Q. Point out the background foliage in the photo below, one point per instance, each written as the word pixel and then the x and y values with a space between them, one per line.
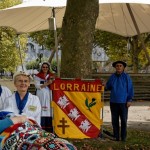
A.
pixel 115 46
pixel 10 54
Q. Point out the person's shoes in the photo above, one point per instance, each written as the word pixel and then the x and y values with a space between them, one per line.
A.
pixel 115 139
pixel 123 140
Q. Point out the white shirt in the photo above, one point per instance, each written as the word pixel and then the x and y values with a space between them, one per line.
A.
pixel 5 93
pixel 45 96
pixel 32 108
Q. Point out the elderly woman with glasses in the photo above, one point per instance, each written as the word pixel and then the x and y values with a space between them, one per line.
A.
pixel 42 83
pixel 22 102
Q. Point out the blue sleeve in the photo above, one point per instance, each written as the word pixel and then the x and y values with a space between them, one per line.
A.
pixel 109 83
pixel 130 89
pixel 5 123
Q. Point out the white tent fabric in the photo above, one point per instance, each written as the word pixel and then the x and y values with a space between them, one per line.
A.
pixel 113 16
pixel 33 15
pixel 125 1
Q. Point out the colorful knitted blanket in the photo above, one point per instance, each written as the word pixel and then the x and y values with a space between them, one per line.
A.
pixel 29 136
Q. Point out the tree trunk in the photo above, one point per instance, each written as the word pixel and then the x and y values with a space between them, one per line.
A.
pixel 135 61
pixel 77 35
pixel 135 54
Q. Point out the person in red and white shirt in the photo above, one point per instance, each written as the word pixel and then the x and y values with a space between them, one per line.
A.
pixel 42 83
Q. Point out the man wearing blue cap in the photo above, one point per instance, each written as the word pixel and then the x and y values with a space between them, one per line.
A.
pixel 121 87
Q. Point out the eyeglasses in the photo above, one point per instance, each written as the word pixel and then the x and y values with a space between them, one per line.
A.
pixel 22 81
pixel 44 67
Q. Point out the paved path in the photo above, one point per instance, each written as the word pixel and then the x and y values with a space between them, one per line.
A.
pixel 138 115
pixel 8 83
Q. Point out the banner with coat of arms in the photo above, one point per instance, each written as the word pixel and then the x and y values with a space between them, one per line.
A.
pixel 76 108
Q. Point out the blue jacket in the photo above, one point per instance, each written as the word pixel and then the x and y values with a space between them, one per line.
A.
pixel 121 88
pixel 5 123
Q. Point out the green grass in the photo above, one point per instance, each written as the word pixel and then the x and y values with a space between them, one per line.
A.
pixel 136 140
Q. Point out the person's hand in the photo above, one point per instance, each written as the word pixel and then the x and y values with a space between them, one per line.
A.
pixel 49 81
pixel 19 119
pixel 129 104
pixel 45 84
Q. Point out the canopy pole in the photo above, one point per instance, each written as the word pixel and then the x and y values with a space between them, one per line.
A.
pixel 19 48
pixel 56 43
pixel 137 30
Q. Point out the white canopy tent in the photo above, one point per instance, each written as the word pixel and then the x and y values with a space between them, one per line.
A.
pixel 113 16
pixel 123 17
pixel 117 16
pixel 33 15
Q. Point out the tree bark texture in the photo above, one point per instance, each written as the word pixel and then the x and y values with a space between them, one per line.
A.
pixel 77 34
pixel 135 54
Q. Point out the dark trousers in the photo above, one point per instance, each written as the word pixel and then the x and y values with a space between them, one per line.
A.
pixel 46 124
pixel 119 110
